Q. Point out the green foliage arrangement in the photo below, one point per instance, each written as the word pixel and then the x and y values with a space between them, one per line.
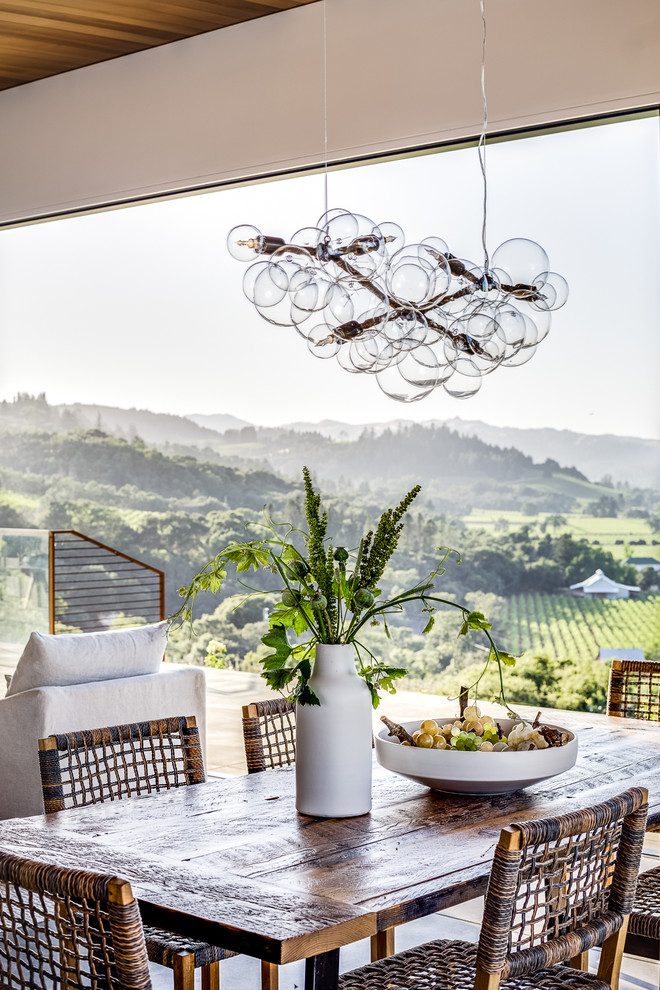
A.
pixel 329 594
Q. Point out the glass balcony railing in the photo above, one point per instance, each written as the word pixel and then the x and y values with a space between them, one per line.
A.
pixel 63 581
pixel 24 584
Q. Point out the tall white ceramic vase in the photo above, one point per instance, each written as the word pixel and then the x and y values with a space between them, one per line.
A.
pixel 333 740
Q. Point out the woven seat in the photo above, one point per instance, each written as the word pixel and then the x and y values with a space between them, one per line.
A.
pixel 269 734
pixel 122 761
pixel 645 918
pixel 167 949
pixel 451 965
pixel 68 928
pixel 557 888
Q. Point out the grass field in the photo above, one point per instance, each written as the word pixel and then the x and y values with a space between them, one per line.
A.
pixel 606 531
pixel 563 626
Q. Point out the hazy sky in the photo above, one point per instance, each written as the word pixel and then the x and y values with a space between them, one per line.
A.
pixel 143 306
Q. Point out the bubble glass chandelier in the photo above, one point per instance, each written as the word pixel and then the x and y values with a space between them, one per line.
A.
pixel 415 316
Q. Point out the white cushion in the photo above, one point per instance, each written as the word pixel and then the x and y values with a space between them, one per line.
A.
pixel 78 658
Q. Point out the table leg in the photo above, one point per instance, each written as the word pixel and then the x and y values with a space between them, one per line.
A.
pixel 322 971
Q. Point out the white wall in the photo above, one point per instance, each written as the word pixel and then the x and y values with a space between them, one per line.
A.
pixel 248 100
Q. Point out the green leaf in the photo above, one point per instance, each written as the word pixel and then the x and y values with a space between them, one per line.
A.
pixel 275 661
pixel 507 658
pixel 305 669
pixel 477 620
pixel 429 625
pixel 278 679
pixel 306 696
pixel 277 639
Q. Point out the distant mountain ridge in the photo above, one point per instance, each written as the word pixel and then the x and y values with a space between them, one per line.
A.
pixel 632 459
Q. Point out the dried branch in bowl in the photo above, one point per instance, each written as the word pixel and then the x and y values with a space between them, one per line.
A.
pixel 397 730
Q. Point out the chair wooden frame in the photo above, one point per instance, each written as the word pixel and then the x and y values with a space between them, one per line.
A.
pixel 269 734
pixel 557 888
pixel 122 761
pixel 71 924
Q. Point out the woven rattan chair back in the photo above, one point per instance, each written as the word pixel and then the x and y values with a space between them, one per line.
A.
pixel 560 886
pixel 68 929
pixel 269 731
pixel 120 761
pixel 634 689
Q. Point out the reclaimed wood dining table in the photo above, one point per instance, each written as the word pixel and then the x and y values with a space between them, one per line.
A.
pixel 231 862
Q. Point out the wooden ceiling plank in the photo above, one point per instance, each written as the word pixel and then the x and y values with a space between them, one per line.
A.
pixel 41 38
pixel 74 33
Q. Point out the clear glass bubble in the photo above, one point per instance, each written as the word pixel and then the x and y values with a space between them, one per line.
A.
pixel 243 242
pixel 409 282
pixel 365 303
pixel 366 254
pixel 474 365
pixel 394 236
pixel 307 292
pixel 510 325
pixel 420 367
pixel 366 354
pixel 325 218
pixel 480 323
pixel 406 329
pixel 293 254
pixel 250 277
pixel 321 341
pixel 303 321
pixel 307 237
pixel 345 359
pixel 531 333
pixel 522 259
pixel 438 320
pixel 541 318
pixel 278 314
pixel 460 387
pixel 559 286
pixel 393 384
pixel 437 245
pixel 388 355
pixel 339 303
pixel 438 267
pixel 340 231
pixel 270 286
pixel 521 357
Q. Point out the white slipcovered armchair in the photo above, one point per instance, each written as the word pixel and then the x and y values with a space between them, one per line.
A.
pixel 86 681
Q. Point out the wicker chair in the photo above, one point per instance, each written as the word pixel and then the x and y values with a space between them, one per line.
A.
pixel 269 731
pixel 122 761
pixel 557 887
pixel 68 928
pixel 634 689
pixel 634 692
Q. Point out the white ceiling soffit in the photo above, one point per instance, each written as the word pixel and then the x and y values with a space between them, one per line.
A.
pixel 247 100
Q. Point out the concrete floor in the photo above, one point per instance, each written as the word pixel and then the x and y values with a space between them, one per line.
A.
pixel 227 692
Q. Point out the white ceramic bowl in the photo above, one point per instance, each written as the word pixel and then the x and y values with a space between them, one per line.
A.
pixel 460 772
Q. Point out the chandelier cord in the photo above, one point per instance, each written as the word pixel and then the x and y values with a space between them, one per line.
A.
pixel 481 147
pixel 325 106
